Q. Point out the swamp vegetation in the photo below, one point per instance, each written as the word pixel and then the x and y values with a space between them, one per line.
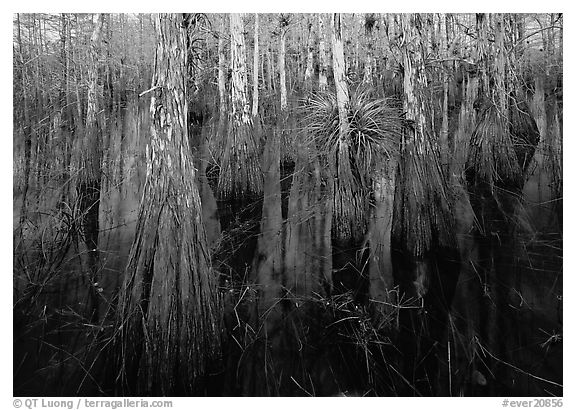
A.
pixel 287 204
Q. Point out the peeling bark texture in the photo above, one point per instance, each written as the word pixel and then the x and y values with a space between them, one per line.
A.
pixel 444 148
pixel 424 246
pixel 222 85
pixel 240 174
pixel 169 309
pixel 310 55
pixel 323 64
pixel 423 215
pixel 369 21
pixel 282 64
pixel 255 69
pixel 349 204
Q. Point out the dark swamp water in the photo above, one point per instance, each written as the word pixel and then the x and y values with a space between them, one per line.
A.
pixel 503 334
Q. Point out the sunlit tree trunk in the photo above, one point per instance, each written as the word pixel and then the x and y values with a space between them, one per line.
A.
pixel 222 83
pixel 343 202
pixel 282 63
pixel 240 174
pixel 240 180
pixel 369 21
pixel 339 65
pixel 78 80
pixel 255 69
pixel 310 55
pixel 323 63
pixel 270 70
pixel 168 313
pixel 349 221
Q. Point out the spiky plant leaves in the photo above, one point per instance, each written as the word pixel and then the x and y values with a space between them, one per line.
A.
pixel 372 138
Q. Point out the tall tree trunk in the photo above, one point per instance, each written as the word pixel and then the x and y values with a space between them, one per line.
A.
pixel 349 223
pixel 66 119
pixel 78 80
pixel 169 310
pixel 369 21
pixel 222 83
pixel 26 125
pixel 89 178
pixel 255 69
pixel 323 64
pixel 240 180
pixel 444 145
pixel 39 91
pixel 424 246
pixel 310 55
pixel 240 174
pixel 282 65
pixel 270 70
pixel 339 65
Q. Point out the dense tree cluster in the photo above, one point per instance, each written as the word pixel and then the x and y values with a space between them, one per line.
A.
pixel 310 190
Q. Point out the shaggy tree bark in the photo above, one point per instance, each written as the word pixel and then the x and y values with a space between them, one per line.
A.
pixel 168 314
pixel 444 148
pixel 282 62
pixel 339 65
pixel 346 208
pixel 423 242
pixel 255 69
pixel 222 85
pixel 270 70
pixel 241 174
pixel 369 21
pixel 323 63
pixel 310 55
pixel 222 73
